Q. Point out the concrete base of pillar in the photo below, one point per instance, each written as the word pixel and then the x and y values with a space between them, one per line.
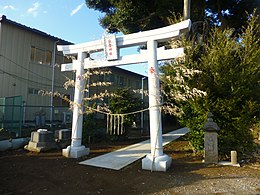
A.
pixel 228 164
pixel 159 163
pixel 75 152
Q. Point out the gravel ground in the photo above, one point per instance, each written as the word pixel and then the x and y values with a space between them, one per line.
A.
pixel 23 172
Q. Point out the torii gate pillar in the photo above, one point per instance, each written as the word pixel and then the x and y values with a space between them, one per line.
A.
pixel 156 160
pixel 76 149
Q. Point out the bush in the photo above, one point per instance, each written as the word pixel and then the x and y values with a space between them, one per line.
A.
pixel 229 74
pixel 194 119
pixel 124 102
pixel 92 130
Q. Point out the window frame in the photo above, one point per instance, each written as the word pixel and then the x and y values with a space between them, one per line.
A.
pixel 41 56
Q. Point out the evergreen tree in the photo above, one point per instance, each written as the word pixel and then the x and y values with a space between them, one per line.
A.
pixel 133 15
pixel 232 13
pixel 124 102
pixel 129 16
pixel 229 75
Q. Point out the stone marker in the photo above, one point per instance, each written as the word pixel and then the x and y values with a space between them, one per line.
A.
pixel 41 140
pixel 233 157
pixel 63 137
pixel 210 140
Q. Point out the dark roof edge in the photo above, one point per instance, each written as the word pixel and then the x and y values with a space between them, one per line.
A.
pixel 5 20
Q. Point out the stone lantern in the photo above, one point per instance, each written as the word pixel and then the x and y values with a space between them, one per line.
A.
pixel 210 140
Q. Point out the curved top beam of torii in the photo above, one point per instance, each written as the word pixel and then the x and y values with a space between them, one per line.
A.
pixel 135 39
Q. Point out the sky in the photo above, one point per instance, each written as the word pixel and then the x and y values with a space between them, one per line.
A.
pixel 70 20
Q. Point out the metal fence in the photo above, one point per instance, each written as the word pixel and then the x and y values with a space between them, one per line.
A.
pixel 39 116
pixel 19 119
pixel 11 114
pixel 16 118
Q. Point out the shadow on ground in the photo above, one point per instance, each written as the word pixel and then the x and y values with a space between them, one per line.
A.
pixel 49 173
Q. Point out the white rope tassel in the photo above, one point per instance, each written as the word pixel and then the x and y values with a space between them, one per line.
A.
pixel 107 123
pixel 118 124
pixel 114 124
pixel 122 124
pixel 111 125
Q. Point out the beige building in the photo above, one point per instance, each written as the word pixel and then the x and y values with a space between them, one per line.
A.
pixel 27 57
pixel 119 79
pixel 26 67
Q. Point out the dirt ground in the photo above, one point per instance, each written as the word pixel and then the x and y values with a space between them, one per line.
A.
pixel 23 172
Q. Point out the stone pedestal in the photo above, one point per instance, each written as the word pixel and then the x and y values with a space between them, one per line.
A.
pixel 75 152
pixel 211 147
pixel 63 137
pixel 42 140
pixel 159 163
pixel 210 140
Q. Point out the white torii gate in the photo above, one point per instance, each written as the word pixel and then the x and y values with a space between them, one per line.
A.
pixel 156 160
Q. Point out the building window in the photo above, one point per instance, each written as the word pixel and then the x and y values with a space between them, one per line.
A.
pixel 60 59
pixel 48 57
pixel 116 80
pixel 101 78
pixel 107 78
pixel 57 101
pixel 33 91
pixel 41 56
pixel 137 84
pixel 112 78
pixel 129 83
pixel 121 81
pixel 33 51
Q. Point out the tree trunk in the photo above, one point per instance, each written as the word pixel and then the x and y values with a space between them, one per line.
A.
pixel 186 9
pixel 220 16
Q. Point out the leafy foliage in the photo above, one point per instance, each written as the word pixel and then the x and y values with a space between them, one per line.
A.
pixel 124 102
pixel 232 13
pixel 133 16
pixel 129 16
pixel 229 64
pixel 92 129
pixel 230 76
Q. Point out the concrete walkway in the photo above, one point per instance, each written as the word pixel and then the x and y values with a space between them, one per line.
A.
pixel 121 158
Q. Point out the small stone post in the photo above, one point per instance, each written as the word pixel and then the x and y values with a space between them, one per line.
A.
pixel 233 157
pixel 210 140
